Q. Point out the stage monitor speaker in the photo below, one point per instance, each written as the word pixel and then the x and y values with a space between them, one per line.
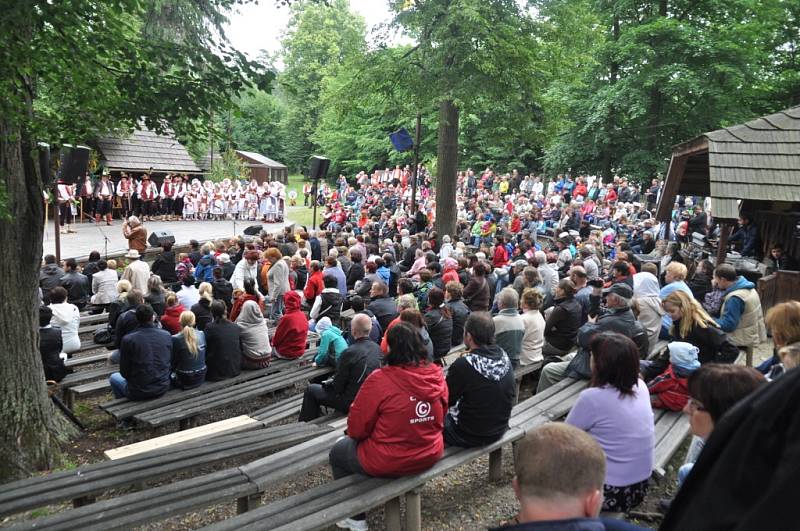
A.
pixel 401 140
pixel 159 237
pixel 74 163
pixel 253 230
pixel 319 168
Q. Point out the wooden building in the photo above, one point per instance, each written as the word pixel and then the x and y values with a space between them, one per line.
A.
pixel 264 169
pixel 143 150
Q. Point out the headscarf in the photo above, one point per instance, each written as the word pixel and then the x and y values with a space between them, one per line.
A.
pixel 684 356
pixel 645 285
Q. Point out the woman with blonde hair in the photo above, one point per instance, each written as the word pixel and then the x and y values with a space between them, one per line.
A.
pixel 692 324
pixel 155 294
pixel 533 337
pixel 783 321
pixel 119 305
pixel 188 354
pixel 202 310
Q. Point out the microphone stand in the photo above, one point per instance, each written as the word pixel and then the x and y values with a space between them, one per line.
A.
pixel 105 240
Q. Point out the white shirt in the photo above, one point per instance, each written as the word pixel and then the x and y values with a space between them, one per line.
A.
pixel 533 338
pixel 188 296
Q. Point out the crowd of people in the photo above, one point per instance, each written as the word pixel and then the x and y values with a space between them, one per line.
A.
pixel 177 198
pixel 574 274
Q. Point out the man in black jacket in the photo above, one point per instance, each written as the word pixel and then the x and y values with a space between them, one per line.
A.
pixel 355 364
pixel 223 349
pixel 50 346
pixel 49 276
pixel 126 322
pixel 382 306
pixel 221 288
pixel 480 386
pixel 144 363
pixel 164 265
pixel 76 284
pixel 453 297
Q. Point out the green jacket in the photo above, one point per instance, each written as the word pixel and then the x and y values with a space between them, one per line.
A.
pixel 330 342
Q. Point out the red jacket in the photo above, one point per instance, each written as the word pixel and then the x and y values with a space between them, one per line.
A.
pixel 398 417
pixel 314 287
pixel 580 190
pixel 516 225
pixel 171 320
pixel 239 302
pixel 290 336
pixel 500 256
pixel 669 391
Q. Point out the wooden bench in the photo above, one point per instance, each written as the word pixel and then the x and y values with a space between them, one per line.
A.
pixel 86 360
pixel 82 484
pixel 97 319
pixel 672 428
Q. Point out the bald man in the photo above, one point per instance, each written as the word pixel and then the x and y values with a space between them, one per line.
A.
pixel 355 364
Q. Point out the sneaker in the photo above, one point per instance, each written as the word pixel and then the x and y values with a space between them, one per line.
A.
pixel 353 525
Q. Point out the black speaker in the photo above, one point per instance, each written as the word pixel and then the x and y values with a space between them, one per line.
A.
pixel 319 168
pixel 159 237
pixel 253 230
pixel 74 163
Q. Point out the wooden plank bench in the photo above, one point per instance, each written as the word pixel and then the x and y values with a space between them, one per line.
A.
pixel 82 484
pixel 95 320
pixel 86 360
pixel 672 428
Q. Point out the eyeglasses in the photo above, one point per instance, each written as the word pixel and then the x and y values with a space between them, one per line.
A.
pixel 695 405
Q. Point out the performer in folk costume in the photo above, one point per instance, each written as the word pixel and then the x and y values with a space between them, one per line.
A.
pixel 280 195
pixel 307 190
pixel 149 197
pixel 178 196
pixel 125 193
pixel 204 197
pixel 293 197
pixel 167 193
pixel 65 199
pixel 263 202
pixel 217 204
pixel 190 201
pixel 252 200
pixel 86 194
pixel 103 192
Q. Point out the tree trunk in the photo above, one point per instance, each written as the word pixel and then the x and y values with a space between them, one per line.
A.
pixel 447 169
pixel 29 425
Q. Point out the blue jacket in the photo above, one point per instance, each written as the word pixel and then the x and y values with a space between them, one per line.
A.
pixel 204 272
pixel 144 361
pixel 734 306
pixel 574 524
pixel 748 235
pixel 332 337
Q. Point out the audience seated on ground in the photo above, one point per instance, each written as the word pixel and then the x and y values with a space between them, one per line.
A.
pixel 355 363
pixel 533 322
pixel 144 360
pixel 50 347
pixel 559 472
pixel 481 387
pixel 67 317
pixel 394 427
pixel 289 341
pixel 223 345
pixel 253 337
pixel 439 323
pixel 509 326
pixel 616 411
pixel 188 354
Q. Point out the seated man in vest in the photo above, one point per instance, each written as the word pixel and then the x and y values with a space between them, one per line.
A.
pixel 559 474
pixel 480 387
pixel 144 360
pixel 740 316
pixel 353 367
pixel 327 304
pixel 509 325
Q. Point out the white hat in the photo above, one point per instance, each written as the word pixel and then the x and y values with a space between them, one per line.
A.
pixel 132 253
pixel 224 258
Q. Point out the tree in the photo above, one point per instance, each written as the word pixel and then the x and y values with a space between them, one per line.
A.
pixel 255 126
pixel 466 51
pixel 319 39
pixel 70 71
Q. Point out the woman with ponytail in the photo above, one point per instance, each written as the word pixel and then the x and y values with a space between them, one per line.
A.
pixel 202 310
pixel 188 354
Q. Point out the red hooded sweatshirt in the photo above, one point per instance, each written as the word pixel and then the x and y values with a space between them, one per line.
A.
pixel 398 417
pixel 171 320
pixel 290 336
pixel 314 287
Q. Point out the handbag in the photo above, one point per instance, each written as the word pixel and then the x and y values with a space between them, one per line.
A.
pixel 580 365
pixel 103 335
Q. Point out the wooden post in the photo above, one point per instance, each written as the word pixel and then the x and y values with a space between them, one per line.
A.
pixel 414 510
pixel 496 465
pixel 248 503
pixel 392 514
pixel 722 248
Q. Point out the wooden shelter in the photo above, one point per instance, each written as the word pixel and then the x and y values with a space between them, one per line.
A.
pixel 264 169
pixel 143 150
pixel 752 168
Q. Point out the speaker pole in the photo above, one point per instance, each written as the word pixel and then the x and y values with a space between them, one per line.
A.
pixel 57 219
pixel 416 165
pixel 314 214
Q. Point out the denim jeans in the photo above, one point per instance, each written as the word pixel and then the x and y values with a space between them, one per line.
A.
pixel 119 385
pixel 276 311
pixel 343 458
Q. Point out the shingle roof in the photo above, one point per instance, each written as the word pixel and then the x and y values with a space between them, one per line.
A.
pixel 261 159
pixel 145 149
pixel 757 160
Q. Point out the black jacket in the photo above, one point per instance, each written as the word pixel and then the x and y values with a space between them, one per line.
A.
pixel 227 270
pixel 562 326
pixel 144 361
pixel 125 324
pixel 714 344
pixel 440 329
pixel 355 363
pixel 50 346
pixel 223 290
pixel 746 475
pixel 460 312
pixel 355 274
pixel 384 309
pixel 90 269
pixel 223 350
pixel 164 267
pixel 302 278
pixel 481 392
pixel 50 277
pixel 620 320
pixel 77 286
pixel 316 249
pixel 202 314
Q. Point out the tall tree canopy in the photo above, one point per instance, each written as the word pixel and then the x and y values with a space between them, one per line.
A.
pixel 69 71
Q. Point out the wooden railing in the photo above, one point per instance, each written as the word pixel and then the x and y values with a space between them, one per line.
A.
pixel 778 287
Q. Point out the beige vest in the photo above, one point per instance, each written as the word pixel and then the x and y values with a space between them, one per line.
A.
pixel 751 330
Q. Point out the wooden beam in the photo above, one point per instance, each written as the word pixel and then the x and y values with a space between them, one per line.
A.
pixel 692 147
pixel 677 165
pixel 722 249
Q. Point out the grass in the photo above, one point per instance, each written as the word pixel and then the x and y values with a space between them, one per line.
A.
pixel 299 214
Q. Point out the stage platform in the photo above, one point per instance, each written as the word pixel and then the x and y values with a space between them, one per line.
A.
pixel 90 237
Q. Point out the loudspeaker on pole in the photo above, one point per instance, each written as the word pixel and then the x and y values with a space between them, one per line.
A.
pixel 318 168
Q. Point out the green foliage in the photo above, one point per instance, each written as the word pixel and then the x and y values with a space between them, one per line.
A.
pixel 256 126
pixel 229 166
